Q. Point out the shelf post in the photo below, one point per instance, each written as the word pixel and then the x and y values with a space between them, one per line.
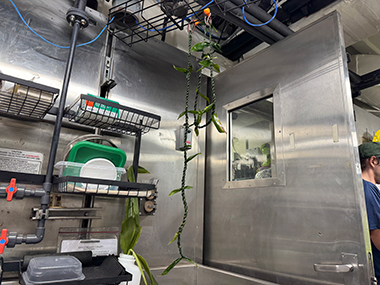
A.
pixel 136 154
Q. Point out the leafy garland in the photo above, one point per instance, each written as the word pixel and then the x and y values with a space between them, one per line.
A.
pixel 207 47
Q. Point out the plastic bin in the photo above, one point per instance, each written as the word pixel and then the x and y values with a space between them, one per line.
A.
pixel 84 151
pixel 52 269
pixel 68 168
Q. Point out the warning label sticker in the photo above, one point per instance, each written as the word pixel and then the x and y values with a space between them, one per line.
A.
pixel 20 161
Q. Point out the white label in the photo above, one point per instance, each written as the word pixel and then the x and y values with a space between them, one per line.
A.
pixel 99 247
pixel 20 161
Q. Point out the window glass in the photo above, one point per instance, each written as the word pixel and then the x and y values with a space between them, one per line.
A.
pixel 251 140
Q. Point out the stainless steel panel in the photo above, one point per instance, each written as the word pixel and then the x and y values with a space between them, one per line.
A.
pixel 279 233
pixel 145 80
pixel 204 275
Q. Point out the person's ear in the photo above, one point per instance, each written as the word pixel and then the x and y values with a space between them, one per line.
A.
pixel 373 161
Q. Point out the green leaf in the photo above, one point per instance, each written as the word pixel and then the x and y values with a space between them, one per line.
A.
pixel 206 62
pixel 216 47
pixel 139 264
pixel 175 191
pixel 188 259
pixel 181 115
pixel 200 68
pixel 208 108
pixel 200 46
pixel 193 156
pixel 218 124
pixel 180 69
pixel 171 266
pixel 199 118
pixel 142 170
pixel 131 174
pixel 174 238
pixel 196 130
pixel 203 96
pixel 190 68
pixel 130 227
pixel 216 67
pixel 194 112
pixel 147 270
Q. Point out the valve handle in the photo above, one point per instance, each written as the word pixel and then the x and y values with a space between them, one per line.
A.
pixel 11 189
pixel 3 240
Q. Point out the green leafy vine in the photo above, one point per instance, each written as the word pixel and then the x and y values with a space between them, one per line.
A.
pixel 207 48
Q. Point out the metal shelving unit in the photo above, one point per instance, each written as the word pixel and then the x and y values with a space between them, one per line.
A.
pixel 24 98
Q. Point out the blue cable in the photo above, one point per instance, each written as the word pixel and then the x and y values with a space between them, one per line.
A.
pixel 263 24
pixel 178 22
pixel 80 45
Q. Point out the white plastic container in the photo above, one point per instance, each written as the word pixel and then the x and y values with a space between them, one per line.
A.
pixel 50 269
pixel 95 168
pixel 128 262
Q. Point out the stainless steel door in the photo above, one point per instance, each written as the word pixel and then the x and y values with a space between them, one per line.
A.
pixel 313 229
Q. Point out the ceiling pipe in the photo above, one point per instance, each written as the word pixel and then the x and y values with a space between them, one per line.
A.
pixel 237 12
pixel 240 23
pixel 264 17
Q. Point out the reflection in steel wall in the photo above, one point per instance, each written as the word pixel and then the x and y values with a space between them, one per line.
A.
pixel 278 233
pixel 145 80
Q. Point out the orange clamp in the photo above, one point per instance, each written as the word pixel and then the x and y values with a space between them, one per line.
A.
pixel 3 240
pixel 11 189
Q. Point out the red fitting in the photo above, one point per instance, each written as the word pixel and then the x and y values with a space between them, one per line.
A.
pixel 3 240
pixel 11 189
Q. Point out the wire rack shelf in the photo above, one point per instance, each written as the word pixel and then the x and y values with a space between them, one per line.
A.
pixel 134 21
pixel 109 115
pixel 24 98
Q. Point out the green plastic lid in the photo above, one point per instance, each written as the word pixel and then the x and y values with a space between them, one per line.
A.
pixel 84 151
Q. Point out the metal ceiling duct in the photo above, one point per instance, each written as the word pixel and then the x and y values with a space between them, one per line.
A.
pixel 360 19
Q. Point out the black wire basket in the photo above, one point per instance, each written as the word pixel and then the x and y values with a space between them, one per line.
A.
pixel 105 114
pixel 102 187
pixel 138 20
pixel 23 98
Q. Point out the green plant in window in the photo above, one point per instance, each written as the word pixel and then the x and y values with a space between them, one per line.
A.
pixel 131 229
pixel 207 49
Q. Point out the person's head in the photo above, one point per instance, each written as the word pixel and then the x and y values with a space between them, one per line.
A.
pixel 370 160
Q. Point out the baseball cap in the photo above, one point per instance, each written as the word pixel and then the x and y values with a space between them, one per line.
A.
pixel 369 149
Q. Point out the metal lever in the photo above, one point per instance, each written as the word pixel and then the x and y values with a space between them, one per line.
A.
pixel 337 268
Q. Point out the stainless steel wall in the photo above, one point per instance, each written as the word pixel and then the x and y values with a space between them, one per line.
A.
pixel 279 233
pixel 145 80
pixel 204 275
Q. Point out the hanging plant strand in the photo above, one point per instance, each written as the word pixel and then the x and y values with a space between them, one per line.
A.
pixel 183 181
pixel 206 62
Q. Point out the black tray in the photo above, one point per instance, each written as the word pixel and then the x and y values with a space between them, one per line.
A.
pixel 110 271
